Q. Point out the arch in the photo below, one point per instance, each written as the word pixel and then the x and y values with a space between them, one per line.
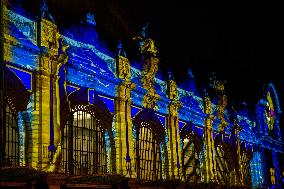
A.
pixel 80 98
pixel 13 87
pixel 148 115
pixel 191 151
pixel 149 146
pixel 92 121
pixel 16 99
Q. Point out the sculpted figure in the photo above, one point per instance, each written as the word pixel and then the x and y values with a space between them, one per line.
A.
pixel 146 44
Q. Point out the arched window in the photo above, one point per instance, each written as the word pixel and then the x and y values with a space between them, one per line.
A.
pixel 190 158
pixel 11 136
pixel 84 150
pixel 148 153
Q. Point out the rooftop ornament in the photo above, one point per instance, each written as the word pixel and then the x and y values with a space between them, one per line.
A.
pixel 146 44
pixel 120 50
pixel 90 18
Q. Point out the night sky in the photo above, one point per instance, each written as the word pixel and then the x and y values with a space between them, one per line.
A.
pixel 244 45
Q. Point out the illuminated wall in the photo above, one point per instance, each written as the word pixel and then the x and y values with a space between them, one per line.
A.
pixel 67 69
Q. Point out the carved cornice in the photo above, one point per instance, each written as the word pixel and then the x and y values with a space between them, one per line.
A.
pixel 124 90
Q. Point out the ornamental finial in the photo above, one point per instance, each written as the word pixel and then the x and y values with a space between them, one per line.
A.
pixel 120 50
pixel 90 18
pixel 146 44
pixel 44 13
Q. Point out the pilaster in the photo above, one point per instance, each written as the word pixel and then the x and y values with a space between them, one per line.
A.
pixel 124 141
pixel 209 164
pixel 46 110
pixel 174 150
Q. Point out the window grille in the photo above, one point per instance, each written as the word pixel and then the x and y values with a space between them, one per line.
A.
pixel 148 154
pixel 84 150
pixel 11 137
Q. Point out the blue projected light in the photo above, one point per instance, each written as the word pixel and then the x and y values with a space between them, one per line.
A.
pixel 162 119
pixel 92 65
pixel 256 169
pixel 24 76
pixel 135 110
pixel 181 124
pixel 109 103
pixel 70 89
pixel 199 130
pixel 91 94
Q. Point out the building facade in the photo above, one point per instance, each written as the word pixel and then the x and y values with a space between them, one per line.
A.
pixel 77 114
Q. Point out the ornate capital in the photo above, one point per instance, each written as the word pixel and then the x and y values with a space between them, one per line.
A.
pixel 172 90
pixel 124 90
pixel 51 63
pixel 49 36
pixel 173 108
pixel 209 120
pixel 150 100
pixel 123 68
pixel 207 105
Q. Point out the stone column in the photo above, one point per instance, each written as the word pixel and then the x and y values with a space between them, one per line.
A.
pixel 174 150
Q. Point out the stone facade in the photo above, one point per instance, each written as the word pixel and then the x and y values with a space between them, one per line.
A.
pixel 72 97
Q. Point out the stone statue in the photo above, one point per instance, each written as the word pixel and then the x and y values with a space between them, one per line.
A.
pixel 90 18
pixel 146 44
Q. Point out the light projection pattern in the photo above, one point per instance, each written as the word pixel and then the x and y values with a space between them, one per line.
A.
pixel 256 170
pixel 108 60
pixel 22 31
pixel 86 146
pixel 26 26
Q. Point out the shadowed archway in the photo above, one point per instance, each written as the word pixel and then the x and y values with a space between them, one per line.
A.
pixel 150 147
pixel 87 138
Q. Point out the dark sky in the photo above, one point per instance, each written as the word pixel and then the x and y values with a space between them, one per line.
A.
pixel 243 45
